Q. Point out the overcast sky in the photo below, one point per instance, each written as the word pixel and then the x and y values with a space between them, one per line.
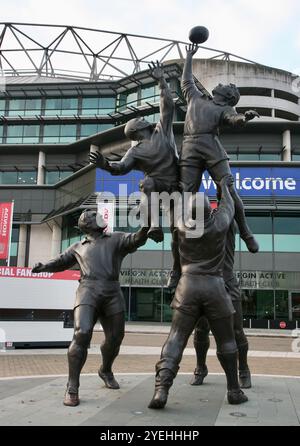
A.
pixel 266 31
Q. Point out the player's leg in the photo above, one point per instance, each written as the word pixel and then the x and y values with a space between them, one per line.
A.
pixel 176 267
pixel 85 317
pixel 201 345
pixel 242 345
pixel 114 329
pixel 222 330
pixel 168 365
pixel 217 172
pixel 149 207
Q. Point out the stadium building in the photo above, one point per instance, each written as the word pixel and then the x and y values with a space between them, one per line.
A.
pixel 52 117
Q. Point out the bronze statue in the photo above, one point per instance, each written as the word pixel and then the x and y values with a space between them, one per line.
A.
pixel 201 291
pixel 98 296
pixel 202 329
pixel 202 149
pixel 155 154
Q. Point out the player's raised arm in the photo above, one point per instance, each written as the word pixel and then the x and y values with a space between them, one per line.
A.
pixel 167 106
pixel 188 85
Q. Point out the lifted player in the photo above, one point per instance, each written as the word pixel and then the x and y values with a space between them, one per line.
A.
pixel 155 154
pixel 202 149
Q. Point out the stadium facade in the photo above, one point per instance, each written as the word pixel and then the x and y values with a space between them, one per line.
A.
pixel 51 120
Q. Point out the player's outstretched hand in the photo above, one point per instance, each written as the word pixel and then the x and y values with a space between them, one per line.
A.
pixel 156 70
pixel 38 268
pixel 191 49
pixel 227 181
pixel 251 114
pixel 98 159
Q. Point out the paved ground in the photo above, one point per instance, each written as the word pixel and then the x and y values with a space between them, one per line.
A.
pixel 36 399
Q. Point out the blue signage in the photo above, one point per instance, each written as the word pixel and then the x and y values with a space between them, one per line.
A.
pixel 249 182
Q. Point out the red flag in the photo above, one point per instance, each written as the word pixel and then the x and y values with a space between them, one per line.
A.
pixel 6 215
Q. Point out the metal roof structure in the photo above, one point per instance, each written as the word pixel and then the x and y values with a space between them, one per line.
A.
pixel 31 50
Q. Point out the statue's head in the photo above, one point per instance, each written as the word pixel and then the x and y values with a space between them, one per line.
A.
pixel 91 221
pixel 194 212
pixel 138 128
pixel 226 94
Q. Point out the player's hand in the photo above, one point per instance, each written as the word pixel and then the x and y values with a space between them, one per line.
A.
pixel 38 268
pixel 191 49
pixel 251 114
pixel 156 70
pixel 98 159
pixel 227 181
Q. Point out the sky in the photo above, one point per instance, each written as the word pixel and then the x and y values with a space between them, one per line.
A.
pixel 266 31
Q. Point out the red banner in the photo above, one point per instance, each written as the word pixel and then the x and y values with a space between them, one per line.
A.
pixel 26 273
pixel 6 215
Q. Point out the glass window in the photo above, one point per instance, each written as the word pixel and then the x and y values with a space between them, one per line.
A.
pixel 67 132
pixel 233 156
pixel 2 106
pixel 1 133
pixel 260 224
pixel 52 107
pixel 52 177
pixel 33 107
pixel 15 131
pixel 9 177
pixel 69 106
pixel 295 310
pixel 145 304
pixel 296 156
pixel 286 225
pixel 23 134
pixel 16 107
pixel 98 106
pixel 64 174
pixel 88 129
pixel 90 106
pixel 61 106
pixel 265 242
pixel 59 133
pixel 281 304
pixel 91 129
pixel 107 105
pixel 248 156
pixel 270 157
pixel 286 243
pixel 31 133
pixel 258 304
pixel 24 107
pixel 150 94
pixel 51 133
pixel 131 98
pixel 27 177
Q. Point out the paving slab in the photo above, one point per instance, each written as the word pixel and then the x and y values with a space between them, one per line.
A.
pixel 38 402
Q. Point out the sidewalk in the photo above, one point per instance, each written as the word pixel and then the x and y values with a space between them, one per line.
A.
pixel 162 328
pixel 32 384
pixel 38 402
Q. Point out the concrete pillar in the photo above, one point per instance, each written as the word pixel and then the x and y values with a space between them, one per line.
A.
pixel 22 245
pixel 41 168
pixel 56 240
pixel 287 144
